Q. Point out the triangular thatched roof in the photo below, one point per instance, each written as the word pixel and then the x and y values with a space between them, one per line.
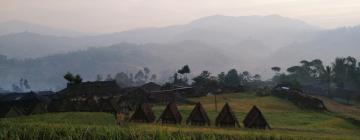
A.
pixel 25 103
pixel 10 111
pixel 198 116
pixel 143 113
pixel 255 119
pixel 226 117
pixel 171 114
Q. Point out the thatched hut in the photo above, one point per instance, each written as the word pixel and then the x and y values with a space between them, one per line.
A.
pixel 226 117
pixel 171 115
pixel 255 119
pixel 23 104
pixel 143 113
pixel 198 116
pixel 10 111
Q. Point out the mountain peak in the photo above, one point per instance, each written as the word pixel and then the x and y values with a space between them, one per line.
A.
pixel 254 20
pixel 18 26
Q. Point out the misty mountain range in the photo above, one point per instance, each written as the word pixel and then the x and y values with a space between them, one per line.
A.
pixel 214 43
pixel 16 26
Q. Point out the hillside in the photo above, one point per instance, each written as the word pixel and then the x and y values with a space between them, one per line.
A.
pixel 287 122
pixel 214 43
pixel 162 59
pixel 33 45
pixel 217 30
pixel 326 45
pixel 16 26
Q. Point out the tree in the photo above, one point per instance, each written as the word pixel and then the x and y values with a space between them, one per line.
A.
pixel 69 77
pixel 184 71
pixel 221 79
pixel 276 69
pixel 26 84
pixel 316 68
pixel 205 82
pixel 346 74
pixel 246 77
pixel 139 77
pixel 99 77
pixel 232 79
pixel 109 78
pixel 123 79
pixel 308 72
pixel 175 78
pixel 327 77
pixel 77 79
pixel 16 88
pixel 340 71
pixel 131 77
pixel 147 72
pixel 202 77
pixel 73 79
pixel 21 82
pixel 257 77
pixel 153 77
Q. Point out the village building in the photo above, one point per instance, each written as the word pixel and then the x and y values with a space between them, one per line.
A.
pixel 99 89
pixel 198 116
pixel 171 115
pixel 151 86
pixel 106 105
pixel 171 95
pixel 86 96
pixel 47 94
pixel 143 113
pixel 255 119
pixel 165 96
pixel 185 91
pixel 226 118
pixel 132 96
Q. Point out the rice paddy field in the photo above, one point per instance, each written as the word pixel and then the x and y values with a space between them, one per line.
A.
pixel 286 120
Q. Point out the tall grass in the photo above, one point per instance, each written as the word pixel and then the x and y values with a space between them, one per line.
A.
pixel 79 132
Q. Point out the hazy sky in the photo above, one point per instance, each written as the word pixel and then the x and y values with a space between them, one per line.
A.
pixel 118 15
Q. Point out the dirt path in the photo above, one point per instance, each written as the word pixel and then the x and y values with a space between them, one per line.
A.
pixel 347 110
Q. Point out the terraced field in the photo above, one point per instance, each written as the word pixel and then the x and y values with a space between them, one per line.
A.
pixel 286 120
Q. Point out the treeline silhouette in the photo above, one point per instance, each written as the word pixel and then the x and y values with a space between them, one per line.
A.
pixel 339 79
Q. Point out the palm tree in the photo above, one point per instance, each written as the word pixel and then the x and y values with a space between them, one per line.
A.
pixel 276 69
pixel 343 73
pixel 340 70
pixel 317 68
pixel 326 77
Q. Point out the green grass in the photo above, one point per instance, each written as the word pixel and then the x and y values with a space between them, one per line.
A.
pixel 287 121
